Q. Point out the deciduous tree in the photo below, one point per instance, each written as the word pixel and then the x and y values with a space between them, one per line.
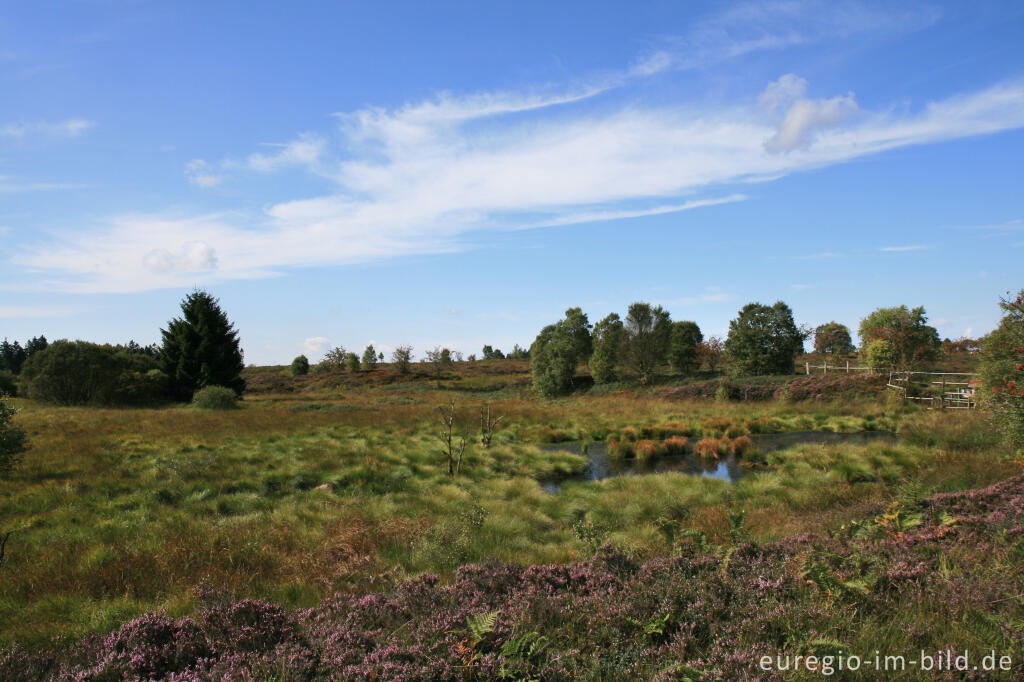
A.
pixel 608 339
pixel 763 340
pixel 577 326
pixel 682 353
pixel 553 360
pixel 402 357
pixel 711 351
pixel 370 357
pixel 833 338
pixel 912 342
pixel 648 333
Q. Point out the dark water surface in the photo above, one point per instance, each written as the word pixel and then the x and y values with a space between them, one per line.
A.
pixel 601 466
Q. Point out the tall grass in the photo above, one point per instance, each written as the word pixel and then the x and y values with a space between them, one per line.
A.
pixel 115 512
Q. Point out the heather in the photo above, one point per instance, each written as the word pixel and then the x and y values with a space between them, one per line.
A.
pixel 334 486
pixel 931 573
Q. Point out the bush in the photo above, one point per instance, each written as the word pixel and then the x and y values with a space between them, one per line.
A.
pixel 8 384
pixel 402 357
pixel 215 398
pixel 882 355
pixel 83 373
pixel 13 441
pixel 553 360
pixel 352 362
pixel 1002 372
pixel 300 366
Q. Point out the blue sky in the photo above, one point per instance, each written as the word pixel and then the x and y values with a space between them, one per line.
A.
pixel 461 173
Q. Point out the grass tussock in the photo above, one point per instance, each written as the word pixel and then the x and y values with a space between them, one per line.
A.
pixel 341 487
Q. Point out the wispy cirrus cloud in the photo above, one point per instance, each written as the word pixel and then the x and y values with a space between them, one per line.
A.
pixel 202 174
pixel 303 151
pixel 711 295
pixel 752 27
pixel 415 179
pixel 72 127
pixel 821 255
pixel 910 247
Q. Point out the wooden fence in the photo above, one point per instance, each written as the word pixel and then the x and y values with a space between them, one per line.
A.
pixel 959 399
pixel 825 367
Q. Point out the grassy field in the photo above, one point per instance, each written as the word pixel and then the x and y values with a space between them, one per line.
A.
pixel 338 483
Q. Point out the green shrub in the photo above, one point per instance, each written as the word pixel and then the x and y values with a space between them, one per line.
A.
pixel 83 373
pixel 8 384
pixel 882 355
pixel 553 359
pixel 352 362
pixel 1002 372
pixel 300 366
pixel 215 398
pixel 13 441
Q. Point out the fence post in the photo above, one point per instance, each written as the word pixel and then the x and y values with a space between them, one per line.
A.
pixel 807 368
pixel 847 366
pixel 824 367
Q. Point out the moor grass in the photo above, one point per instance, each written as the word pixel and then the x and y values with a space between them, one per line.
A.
pixel 337 483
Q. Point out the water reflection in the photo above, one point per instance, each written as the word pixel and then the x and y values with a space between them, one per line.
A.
pixel 601 466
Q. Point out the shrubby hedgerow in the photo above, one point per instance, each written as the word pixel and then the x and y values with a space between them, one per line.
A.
pixel 1002 371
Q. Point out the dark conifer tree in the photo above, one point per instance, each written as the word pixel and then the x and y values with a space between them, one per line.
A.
pixel 201 348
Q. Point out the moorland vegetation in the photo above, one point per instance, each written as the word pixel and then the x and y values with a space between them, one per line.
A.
pixel 337 523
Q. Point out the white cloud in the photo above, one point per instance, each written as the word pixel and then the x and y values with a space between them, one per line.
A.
pixel 802 118
pixel 188 257
pixel 72 127
pixel 304 151
pixel 712 295
pixel 200 173
pixel 414 180
pixel 914 247
pixel 315 345
pixel 598 216
pixel 819 256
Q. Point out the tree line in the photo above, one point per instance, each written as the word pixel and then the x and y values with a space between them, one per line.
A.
pixel 762 340
pixel 198 349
